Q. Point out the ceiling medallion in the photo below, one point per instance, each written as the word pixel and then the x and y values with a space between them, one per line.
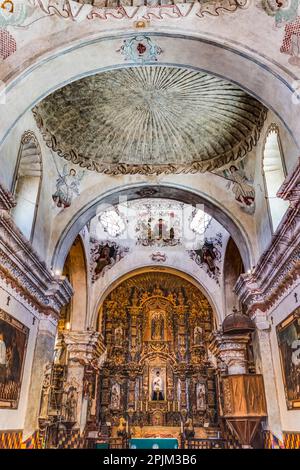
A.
pixel 146 192
pixel 150 120
pixel 140 49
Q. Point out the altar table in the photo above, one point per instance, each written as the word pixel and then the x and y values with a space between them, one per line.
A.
pixel 153 443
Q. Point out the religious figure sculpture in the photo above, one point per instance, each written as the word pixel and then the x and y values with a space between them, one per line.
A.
pixel 157 326
pixel 188 428
pixel 201 396
pixel 118 336
pixel 198 335
pixel 45 393
pixel 122 428
pixel 71 404
pixel 157 387
pixel 115 396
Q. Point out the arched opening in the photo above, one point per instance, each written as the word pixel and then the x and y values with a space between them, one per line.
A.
pixel 140 191
pixel 76 270
pixel 156 328
pixel 27 182
pixel 233 267
pixel 274 174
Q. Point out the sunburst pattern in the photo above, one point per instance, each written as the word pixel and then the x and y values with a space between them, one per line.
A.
pixel 150 119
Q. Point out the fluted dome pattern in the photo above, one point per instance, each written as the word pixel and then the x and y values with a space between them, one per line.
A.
pixel 150 119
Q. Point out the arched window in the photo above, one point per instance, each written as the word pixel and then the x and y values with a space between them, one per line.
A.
pixel 28 177
pixel 274 174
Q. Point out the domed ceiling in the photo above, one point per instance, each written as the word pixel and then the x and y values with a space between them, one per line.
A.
pixel 150 120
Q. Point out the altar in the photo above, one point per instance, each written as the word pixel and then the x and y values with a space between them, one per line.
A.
pixel 153 443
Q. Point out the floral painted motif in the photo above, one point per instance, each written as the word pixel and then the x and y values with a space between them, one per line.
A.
pixel 140 49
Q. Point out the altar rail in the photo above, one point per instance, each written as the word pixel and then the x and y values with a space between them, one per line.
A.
pixel 205 444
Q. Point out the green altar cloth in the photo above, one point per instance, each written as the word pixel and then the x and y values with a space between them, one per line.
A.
pixel 153 443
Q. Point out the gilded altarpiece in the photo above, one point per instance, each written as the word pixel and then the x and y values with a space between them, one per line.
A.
pixel 156 328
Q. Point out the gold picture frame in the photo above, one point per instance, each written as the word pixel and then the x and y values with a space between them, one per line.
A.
pixel 288 338
pixel 13 347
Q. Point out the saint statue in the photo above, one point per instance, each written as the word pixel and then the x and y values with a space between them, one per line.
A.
pixel 201 396
pixel 115 396
pixel 157 387
pixel 198 335
pixel 157 327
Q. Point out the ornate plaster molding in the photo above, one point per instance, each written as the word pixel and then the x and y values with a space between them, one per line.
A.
pixel 22 269
pixel 278 268
pixel 85 347
pixel 78 11
pixel 231 350
pixel 7 201
pixel 290 189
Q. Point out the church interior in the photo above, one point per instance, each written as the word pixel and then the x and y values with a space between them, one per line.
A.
pixel 149 224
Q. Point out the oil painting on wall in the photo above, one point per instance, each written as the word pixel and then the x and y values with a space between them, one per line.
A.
pixel 288 333
pixel 13 342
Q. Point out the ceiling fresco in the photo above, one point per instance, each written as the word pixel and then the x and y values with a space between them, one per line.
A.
pixel 150 120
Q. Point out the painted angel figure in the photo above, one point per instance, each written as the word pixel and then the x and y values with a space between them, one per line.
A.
pixel 241 186
pixel 67 187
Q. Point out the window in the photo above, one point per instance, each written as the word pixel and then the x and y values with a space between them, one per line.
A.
pixel 274 174
pixel 28 177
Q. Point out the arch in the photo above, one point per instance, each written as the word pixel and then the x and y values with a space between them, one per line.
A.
pixel 159 269
pixel 76 269
pixel 27 183
pixel 232 268
pixel 138 191
pixel 274 173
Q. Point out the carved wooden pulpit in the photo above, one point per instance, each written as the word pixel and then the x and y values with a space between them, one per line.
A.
pixel 243 404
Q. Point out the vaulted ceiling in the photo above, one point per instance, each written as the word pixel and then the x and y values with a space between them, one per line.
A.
pixel 150 119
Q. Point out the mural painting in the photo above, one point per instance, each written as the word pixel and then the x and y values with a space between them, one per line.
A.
pixel 13 342
pixel 288 333
pixel 286 14
pixel 67 186
pixel 104 255
pixel 208 256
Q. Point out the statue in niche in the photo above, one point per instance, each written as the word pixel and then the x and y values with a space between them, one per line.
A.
pixel 45 392
pixel 157 387
pixel 115 396
pixel 157 326
pixel 198 335
pixel 188 428
pixel 201 396
pixel 71 404
pixel 122 428
pixel 118 336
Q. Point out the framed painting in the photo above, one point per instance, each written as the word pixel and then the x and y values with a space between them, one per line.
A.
pixel 288 335
pixel 13 344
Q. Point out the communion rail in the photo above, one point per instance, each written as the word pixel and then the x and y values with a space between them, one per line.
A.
pixel 194 443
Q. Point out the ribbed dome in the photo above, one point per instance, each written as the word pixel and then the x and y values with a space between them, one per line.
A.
pixel 150 119
pixel 236 322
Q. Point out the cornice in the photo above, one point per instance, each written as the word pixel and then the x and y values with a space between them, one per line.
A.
pixel 7 201
pixel 24 271
pixel 278 268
